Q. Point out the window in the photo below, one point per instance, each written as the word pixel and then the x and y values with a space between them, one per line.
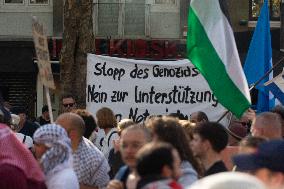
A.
pixel 14 1
pixel 107 18
pixel 274 6
pixel 120 18
pixel 34 2
pixel 137 18
pixel 134 20
pixel 173 2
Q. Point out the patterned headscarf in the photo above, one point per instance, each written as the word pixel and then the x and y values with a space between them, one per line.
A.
pixel 55 138
pixel 13 152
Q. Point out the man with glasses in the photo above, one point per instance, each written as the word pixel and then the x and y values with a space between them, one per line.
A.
pixel 131 140
pixel 68 103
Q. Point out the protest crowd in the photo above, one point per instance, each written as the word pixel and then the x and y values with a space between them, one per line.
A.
pixel 81 150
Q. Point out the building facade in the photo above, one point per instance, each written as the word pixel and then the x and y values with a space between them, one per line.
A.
pixel 142 29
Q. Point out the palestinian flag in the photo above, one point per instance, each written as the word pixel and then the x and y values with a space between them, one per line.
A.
pixel 211 48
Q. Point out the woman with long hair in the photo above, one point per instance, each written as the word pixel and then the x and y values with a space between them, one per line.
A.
pixel 168 129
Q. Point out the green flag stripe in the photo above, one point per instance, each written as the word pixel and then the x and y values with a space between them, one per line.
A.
pixel 202 54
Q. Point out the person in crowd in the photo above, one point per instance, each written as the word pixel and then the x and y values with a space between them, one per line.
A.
pixel 267 125
pixel 18 168
pixel 131 140
pixel 44 118
pixel 237 131
pixel 209 139
pixel 7 105
pixel 27 140
pixel 123 124
pixel 90 122
pixel 106 120
pixel 97 138
pixel 198 117
pixel 89 164
pixel 68 103
pixel 228 180
pixel 266 164
pixel 178 115
pixel 188 128
pixel 26 127
pixel 248 116
pixel 279 109
pixel 250 144
pixel 115 161
pixel 168 129
pixel 247 145
pixel 158 165
pixel 53 151
pixel 5 116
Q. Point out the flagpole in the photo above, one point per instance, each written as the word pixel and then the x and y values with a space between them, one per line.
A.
pixel 256 83
pixel 266 74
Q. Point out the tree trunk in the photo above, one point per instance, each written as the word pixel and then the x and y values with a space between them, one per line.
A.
pixel 78 40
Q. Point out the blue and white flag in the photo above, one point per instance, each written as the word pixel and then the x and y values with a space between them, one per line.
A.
pixel 276 86
pixel 259 60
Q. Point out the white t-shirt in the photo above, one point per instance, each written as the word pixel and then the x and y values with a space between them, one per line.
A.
pixel 97 138
pixel 25 139
pixel 108 141
pixel 63 179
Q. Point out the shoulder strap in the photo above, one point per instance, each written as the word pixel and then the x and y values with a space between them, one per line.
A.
pixel 108 140
pixel 24 139
pixel 101 142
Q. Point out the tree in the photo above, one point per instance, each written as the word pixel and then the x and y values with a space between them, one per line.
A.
pixel 78 40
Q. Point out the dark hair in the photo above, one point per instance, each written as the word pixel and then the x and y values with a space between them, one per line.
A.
pixel 168 129
pixel 178 116
pixel 18 110
pixel 106 118
pixel 215 133
pixel 5 116
pixel 68 96
pixel 45 109
pixel 279 110
pixel 201 116
pixel 151 159
pixel 90 123
pixel 252 141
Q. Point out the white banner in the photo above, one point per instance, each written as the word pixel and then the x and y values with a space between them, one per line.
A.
pixel 138 88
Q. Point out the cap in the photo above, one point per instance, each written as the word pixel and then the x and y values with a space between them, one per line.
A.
pixel 238 129
pixel 45 109
pixel 269 155
pixel 18 110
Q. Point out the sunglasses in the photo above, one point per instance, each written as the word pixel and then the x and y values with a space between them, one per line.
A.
pixel 68 105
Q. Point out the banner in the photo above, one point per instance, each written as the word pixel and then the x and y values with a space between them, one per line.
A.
pixel 136 89
pixel 41 47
